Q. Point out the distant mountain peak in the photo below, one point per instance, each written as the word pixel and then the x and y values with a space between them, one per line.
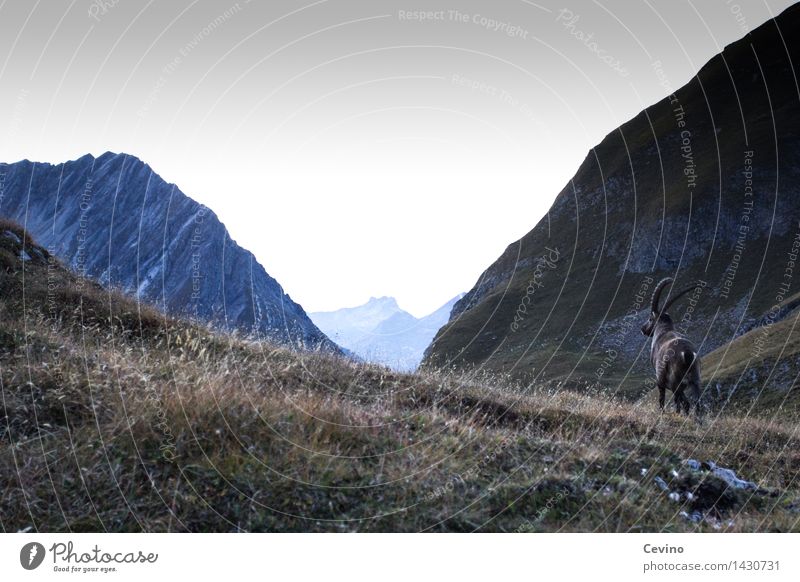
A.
pixel 384 300
pixel 380 331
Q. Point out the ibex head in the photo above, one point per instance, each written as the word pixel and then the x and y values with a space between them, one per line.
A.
pixel 659 315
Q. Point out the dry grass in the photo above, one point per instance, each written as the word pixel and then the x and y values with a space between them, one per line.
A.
pixel 116 418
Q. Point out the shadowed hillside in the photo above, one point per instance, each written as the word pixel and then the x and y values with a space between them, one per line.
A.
pixel 702 187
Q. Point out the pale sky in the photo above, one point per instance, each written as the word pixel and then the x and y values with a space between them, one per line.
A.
pixel 357 148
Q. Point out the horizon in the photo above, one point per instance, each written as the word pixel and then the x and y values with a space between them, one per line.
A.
pixel 389 155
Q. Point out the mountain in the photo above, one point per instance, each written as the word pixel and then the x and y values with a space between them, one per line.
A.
pixel 703 186
pixel 115 220
pixel 379 331
pixel 348 325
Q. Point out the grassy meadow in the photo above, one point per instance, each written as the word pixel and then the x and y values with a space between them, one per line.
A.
pixel 117 418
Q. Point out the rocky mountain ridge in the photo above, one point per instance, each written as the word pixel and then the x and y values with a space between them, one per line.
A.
pixel 115 220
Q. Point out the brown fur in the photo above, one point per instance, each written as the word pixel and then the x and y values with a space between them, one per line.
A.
pixel 674 357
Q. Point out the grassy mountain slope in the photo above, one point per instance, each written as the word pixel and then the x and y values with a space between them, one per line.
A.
pixel 760 369
pixel 701 186
pixel 117 418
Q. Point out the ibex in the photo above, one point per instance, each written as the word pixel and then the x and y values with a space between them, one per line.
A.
pixel 673 356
